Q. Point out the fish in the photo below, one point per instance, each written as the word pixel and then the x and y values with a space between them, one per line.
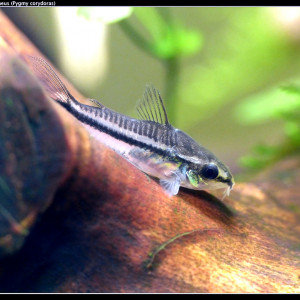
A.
pixel 150 143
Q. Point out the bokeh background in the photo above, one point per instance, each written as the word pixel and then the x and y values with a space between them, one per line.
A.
pixel 230 76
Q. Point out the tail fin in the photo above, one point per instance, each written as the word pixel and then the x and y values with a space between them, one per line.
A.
pixel 50 81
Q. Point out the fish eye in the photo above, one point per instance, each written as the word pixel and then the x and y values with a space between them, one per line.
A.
pixel 210 171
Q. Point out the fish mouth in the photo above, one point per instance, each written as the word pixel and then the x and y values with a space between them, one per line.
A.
pixel 231 183
pixel 225 186
pixel 228 189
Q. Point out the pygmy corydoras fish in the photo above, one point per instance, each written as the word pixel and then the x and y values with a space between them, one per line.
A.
pixel 150 143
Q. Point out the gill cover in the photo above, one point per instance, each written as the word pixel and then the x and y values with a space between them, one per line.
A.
pixel 193 178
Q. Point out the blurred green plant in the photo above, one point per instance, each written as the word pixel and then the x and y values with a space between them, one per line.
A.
pixel 246 52
pixel 282 103
pixel 169 40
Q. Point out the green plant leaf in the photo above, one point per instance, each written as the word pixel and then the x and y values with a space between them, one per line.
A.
pixel 178 42
pixel 272 104
pixel 169 38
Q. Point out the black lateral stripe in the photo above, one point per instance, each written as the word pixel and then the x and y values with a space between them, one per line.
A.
pixel 118 135
pixel 121 136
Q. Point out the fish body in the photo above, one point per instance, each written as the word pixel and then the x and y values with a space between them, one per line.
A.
pixel 151 143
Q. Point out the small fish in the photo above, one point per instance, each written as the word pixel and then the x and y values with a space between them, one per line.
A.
pixel 151 144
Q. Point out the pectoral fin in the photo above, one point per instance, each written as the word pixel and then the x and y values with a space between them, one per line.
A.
pixel 171 186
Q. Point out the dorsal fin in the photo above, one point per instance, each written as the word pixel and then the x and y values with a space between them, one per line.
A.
pixel 51 82
pixel 151 106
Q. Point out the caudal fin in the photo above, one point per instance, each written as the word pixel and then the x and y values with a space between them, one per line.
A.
pixel 50 81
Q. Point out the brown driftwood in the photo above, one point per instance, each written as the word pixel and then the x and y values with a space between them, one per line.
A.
pixel 76 217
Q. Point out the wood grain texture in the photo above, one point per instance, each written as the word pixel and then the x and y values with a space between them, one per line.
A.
pixel 85 220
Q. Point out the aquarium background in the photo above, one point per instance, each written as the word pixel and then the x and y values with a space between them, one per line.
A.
pixel 230 76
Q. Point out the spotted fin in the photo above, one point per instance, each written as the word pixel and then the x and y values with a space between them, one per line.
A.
pixel 151 106
pixel 171 186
